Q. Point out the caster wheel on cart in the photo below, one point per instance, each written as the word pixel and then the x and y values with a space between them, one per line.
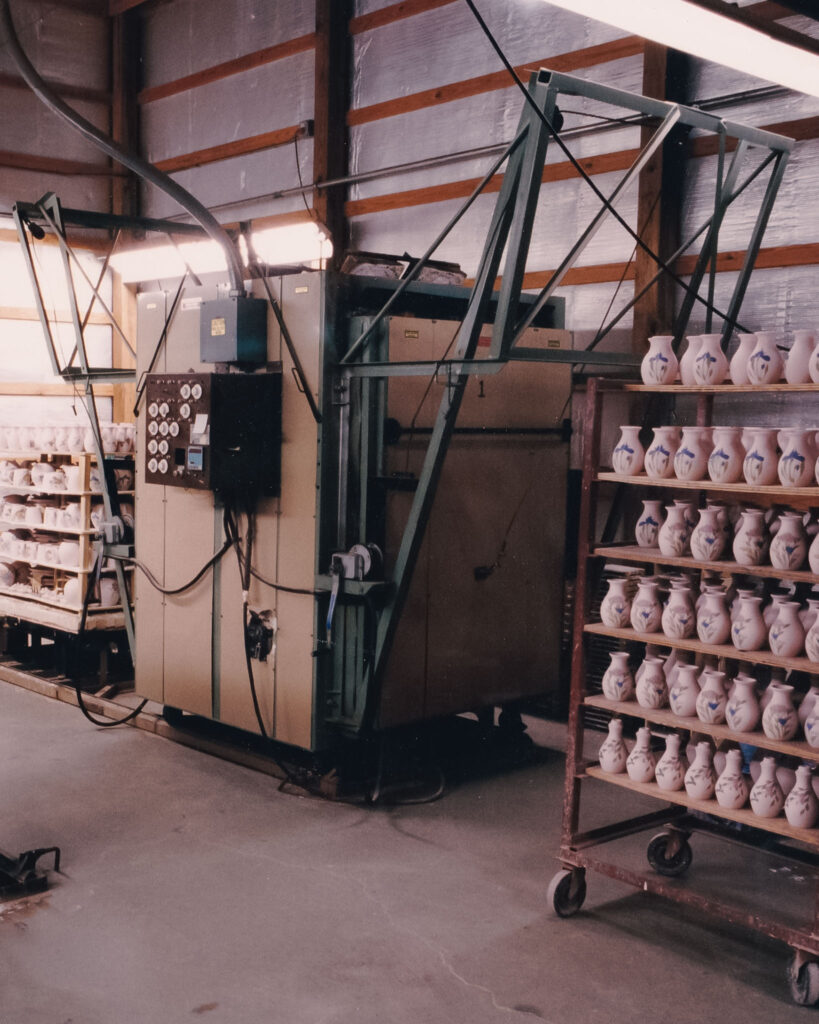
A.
pixel 567 891
pixel 675 864
pixel 804 982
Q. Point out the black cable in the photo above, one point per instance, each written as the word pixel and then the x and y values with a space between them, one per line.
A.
pixel 185 586
pixel 585 175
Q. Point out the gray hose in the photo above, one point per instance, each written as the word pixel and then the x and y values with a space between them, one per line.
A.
pixel 135 163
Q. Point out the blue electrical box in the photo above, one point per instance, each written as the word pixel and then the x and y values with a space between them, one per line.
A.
pixel 233 330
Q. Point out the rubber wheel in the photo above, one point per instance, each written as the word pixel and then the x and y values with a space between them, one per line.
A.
pixel 671 867
pixel 804 983
pixel 173 716
pixel 567 892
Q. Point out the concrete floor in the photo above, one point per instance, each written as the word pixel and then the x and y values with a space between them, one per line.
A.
pixel 194 889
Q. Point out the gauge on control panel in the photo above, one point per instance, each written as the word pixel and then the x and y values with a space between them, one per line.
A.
pixel 184 410
pixel 163 428
pixel 153 426
pixel 163 447
pixel 174 429
pixel 163 466
pixel 152 465
pixel 163 409
pixel 153 409
pixel 152 446
pixel 196 392
pixel 185 391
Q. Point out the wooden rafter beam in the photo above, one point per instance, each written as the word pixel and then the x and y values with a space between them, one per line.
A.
pixel 55 165
pixel 228 150
pixel 68 92
pixel 393 13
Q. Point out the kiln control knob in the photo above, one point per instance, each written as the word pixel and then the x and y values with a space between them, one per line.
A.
pixel 152 446
pixel 153 409
pixel 163 409
pixel 196 392
pixel 152 428
pixel 163 465
pixel 174 428
pixel 184 410
pixel 163 428
pixel 163 447
pixel 185 391
pixel 152 465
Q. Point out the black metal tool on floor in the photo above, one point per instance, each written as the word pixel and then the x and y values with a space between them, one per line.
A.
pixel 20 876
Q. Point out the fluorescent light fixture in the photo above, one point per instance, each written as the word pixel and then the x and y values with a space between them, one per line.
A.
pixel 304 242
pixel 708 35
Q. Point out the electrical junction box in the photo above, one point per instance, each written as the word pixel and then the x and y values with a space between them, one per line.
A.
pixel 214 431
pixel 233 330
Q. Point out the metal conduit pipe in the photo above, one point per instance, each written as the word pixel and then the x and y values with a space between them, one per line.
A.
pixel 135 163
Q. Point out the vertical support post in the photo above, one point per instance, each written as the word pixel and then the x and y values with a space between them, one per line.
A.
pixel 126 46
pixel 332 71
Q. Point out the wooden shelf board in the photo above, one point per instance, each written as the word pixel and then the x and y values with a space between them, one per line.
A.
pixel 633 553
pixel 721 389
pixel 719 650
pixel 797 496
pixel 56 615
pixel 666 717
pixel 745 815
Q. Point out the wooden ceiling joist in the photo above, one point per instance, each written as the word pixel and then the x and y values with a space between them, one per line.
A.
pixel 67 92
pixel 393 13
pixel 229 150
pixel 55 165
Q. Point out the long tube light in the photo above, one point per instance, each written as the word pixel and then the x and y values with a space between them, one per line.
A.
pixel 708 35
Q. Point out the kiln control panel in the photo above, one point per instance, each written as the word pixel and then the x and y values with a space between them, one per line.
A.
pixel 214 431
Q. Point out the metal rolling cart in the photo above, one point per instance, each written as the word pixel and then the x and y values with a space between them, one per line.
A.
pixel 669 852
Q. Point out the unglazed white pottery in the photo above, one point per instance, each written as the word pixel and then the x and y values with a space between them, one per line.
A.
pixel 797 463
pixel 713 620
pixel 760 466
pixel 613 752
pixel 627 457
pixel 731 789
pixel 738 367
pixel 712 699
pixel 648 525
pixel 779 719
pixel 813 555
pixel 691 458
pixel 652 689
pixel 765 364
pixel 659 365
pixel 751 543
pixel 679 620
pixel 710 362
pixel 748 632
pixel 767 798
pixel 659 460
pixel 797 363
pixel 808 615
pixel 727 455
pixel 701 779
pixel 812 642
pixel 770 611
pixel 646 611
pixel 682 696
pixel 641 761
pixel 801 805
pixel 786 637
pixel 618 680
pixel 673 535
pixel 687 360
pixel 742 711
pixel 670 771
pixel 789 547
pixel 708 538
pixel 615 609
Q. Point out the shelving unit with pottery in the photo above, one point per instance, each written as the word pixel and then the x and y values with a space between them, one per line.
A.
pixel 784 809
pixel 49 512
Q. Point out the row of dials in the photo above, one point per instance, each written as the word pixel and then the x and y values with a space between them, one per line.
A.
pixel 164 428
pixel 158 465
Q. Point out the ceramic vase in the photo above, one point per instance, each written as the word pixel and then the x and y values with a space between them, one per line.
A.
pixel 727 455
pixel 797 463
pixel 615 610
pixel 809 614
pixel 670 771
pixel 691 458
pixel 748 632
pixel 767 798
pixel 812 642
pixel 687 360
pixel 646 611
pixel 659 365
pixel 701 779
pixel 641 761
pixel 813 365
pixel 659 460
pixel 811 727
pixel 679 620
pixel 710 362
pixel 786 637
pixel 712 699
pixel 713 620
pixel 750 543
pixel 628 455
pixel 779 719
pixel 813 555
pixel 708 538
pixel 648 525
pixel 742 710
pixel 765 364
pixel 613 752
pixel 682 696
pixel 731 789
pixel 673 535
pixel 652 688
pixel 618 680
pixel 789 547
pixel 797 363
pixel 801 805
pixel 808 702
pixel 738 367
pixel 690 513
pixel 760 466
pixel 770 611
